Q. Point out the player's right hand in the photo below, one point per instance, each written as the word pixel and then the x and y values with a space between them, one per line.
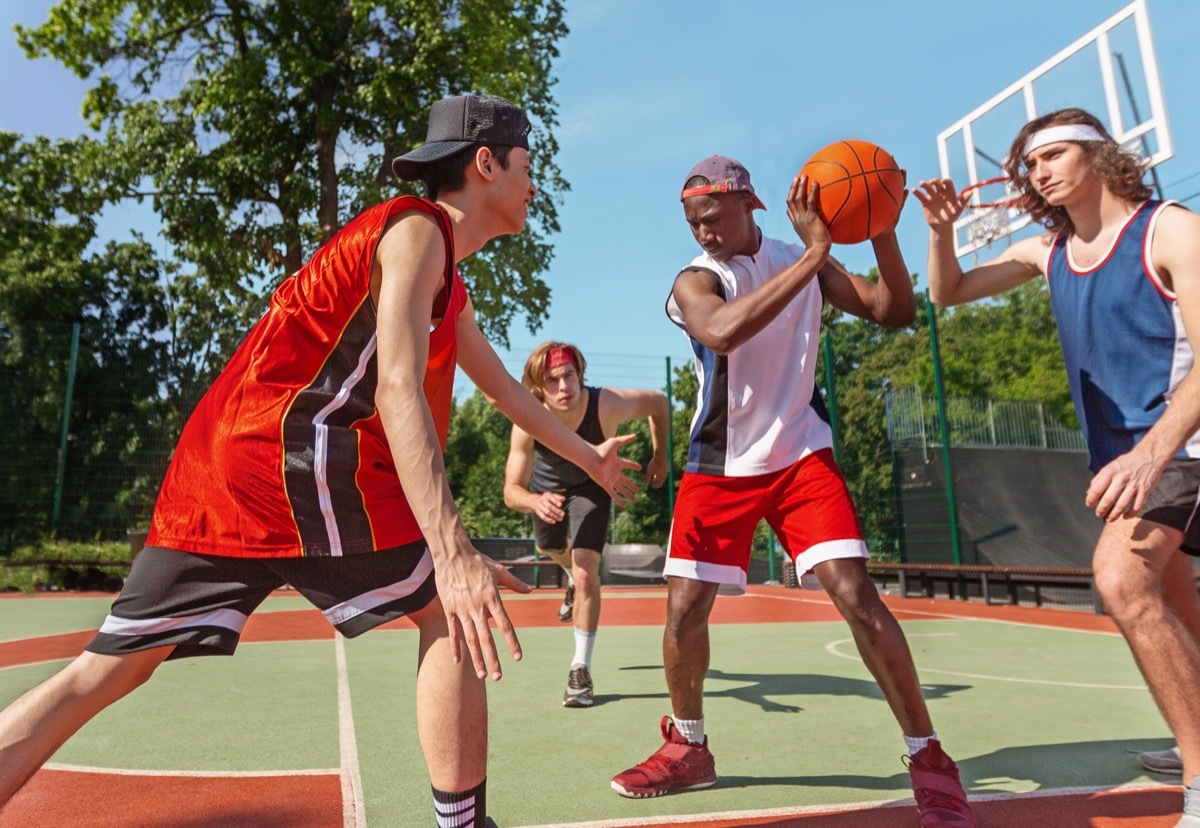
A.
pixel 940 203
pixel 803 208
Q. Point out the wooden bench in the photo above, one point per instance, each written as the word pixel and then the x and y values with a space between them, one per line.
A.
pixel 958 578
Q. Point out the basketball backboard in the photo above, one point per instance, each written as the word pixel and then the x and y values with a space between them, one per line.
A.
pixel 1111 72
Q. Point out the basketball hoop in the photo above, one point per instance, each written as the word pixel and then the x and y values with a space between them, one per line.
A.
pixel 986 218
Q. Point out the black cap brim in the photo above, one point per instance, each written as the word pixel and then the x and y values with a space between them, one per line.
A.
pixel 410 165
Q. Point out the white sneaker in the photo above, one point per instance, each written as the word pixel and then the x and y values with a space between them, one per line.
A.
pixel 1163 761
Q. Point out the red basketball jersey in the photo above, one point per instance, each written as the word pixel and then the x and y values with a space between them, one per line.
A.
pixel 285 455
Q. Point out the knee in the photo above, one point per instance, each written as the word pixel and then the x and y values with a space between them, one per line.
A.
pixel 856 599
pixel 1124 597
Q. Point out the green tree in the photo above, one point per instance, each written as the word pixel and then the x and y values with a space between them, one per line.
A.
pixel 259 128
pixel 476 451
pixel 54 274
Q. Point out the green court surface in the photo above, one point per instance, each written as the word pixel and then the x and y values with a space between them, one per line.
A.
pixel 793 717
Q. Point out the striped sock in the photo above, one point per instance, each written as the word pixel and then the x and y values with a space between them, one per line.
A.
pixel 461 810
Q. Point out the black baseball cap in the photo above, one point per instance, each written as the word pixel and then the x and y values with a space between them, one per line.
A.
pixel 459 122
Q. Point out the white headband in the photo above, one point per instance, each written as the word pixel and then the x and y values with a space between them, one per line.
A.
pixel 1062 132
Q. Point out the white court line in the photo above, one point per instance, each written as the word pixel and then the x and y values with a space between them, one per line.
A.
pixel 354 811
pixel 692 819
pixel 832 646
pixel 192 773
pixel 954 617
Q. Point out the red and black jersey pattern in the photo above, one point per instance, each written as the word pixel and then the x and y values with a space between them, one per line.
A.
pixel 286 455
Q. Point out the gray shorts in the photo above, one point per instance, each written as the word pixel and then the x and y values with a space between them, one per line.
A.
pixel 584 527
pixel 1175 499
pixel 200 603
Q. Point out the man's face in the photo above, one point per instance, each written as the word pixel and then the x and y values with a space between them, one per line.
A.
pixel 563 391
pixel 515 189
pixel 1061 172
pixel 723 224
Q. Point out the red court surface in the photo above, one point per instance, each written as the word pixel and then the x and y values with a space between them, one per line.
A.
pixel 90 798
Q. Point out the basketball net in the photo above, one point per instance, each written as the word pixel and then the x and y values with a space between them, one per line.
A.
pixel 988 221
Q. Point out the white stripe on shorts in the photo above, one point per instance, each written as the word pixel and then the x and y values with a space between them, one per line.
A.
pixel 732 579
pixel 227 618
pixel 830 551
pixel 340 613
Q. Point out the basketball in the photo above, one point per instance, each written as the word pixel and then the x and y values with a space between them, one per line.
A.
pixel 861 189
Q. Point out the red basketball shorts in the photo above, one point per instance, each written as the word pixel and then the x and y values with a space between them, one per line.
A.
pixel 807 505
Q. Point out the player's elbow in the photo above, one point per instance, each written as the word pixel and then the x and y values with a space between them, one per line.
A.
pixel 899 318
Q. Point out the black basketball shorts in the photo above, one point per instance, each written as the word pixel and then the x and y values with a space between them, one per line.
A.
pixel 199 604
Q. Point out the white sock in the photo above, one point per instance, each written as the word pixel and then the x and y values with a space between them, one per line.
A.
pixel 584 642
pixel 690 729
pixel 916 744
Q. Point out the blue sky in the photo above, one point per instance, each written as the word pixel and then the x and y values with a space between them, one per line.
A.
pixel 646 89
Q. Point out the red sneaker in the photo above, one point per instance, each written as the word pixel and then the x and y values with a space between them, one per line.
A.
pixel 941 800
pixel 678 765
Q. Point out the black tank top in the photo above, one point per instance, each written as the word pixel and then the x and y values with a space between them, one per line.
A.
pixel 551 473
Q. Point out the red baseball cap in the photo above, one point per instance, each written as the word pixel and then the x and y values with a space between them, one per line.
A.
pixel 725 176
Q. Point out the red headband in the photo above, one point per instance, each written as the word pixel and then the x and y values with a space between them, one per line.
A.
pixel 562 355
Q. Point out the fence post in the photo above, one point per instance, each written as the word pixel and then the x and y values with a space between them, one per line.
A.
pixel 947 467
pixel 771 556
pixel 830 392
pixel 60 475
pixel 670 444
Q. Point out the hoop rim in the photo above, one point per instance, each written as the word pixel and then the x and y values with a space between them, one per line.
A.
pixel 1009 202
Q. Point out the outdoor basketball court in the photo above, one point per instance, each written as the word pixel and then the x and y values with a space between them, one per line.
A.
pixel 1041 708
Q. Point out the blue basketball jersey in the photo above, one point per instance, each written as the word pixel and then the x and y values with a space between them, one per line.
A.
pixel 1122 338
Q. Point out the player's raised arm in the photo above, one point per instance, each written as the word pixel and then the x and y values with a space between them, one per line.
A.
pixel 948 284
pixel 888 302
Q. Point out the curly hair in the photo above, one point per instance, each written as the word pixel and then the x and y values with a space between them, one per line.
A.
pixel 1121 171
pixel 534 375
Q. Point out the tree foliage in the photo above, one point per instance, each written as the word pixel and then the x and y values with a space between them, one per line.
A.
pixel 259 128
pixel 254 130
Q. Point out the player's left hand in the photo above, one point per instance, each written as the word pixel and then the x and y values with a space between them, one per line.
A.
pixel 1120 488
pixel 612 470
pixel 900 210
pixel 468 586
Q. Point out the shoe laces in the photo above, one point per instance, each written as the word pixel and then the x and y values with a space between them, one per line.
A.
pixel 659 766
pixel 579 679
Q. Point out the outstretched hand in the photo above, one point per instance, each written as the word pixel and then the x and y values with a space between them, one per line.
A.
pixel 1120 488
pixel 611 474
pixel 468 586
pixel 803 208
pixel 940 203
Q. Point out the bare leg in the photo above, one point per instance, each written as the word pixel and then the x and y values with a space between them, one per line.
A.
pixel 686 644
pixel 879 639
pixel 562 557
pixel 34 726
pixel 1129 564
pixel 587 589
pixel 452 718
pixel 1180 593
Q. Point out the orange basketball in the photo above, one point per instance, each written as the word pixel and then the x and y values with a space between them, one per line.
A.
pixel 861 189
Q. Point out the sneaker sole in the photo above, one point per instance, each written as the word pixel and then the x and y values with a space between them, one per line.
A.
pixel 578 702
pixel 651 793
